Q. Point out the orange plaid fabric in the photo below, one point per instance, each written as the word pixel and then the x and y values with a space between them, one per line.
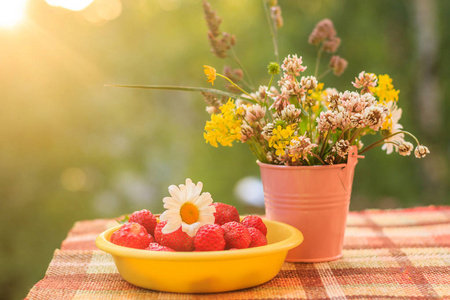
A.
pixel 388 254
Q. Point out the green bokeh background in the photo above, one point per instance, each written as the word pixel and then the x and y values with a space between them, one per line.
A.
pixel 72 149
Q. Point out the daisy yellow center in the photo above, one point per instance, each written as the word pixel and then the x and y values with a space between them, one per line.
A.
pixel 189 213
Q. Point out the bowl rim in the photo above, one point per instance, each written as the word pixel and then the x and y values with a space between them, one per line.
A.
pixel 295 239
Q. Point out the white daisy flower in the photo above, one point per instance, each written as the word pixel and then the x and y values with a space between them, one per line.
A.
pixel 187 208
pixel 395 115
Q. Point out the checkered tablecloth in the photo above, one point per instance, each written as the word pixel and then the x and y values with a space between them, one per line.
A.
pixel 395 254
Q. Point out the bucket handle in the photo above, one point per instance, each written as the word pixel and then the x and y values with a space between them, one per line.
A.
pixel 346 173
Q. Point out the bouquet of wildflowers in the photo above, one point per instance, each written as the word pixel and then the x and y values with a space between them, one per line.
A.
pixel 295 120
pixel 301 123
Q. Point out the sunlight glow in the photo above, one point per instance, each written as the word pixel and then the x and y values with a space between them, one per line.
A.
pixel 11 12
pixel 102 11
pixel 75 5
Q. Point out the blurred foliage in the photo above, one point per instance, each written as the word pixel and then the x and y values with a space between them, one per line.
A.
pixel 72 149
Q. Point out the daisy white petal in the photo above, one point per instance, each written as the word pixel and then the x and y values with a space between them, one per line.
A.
pixel 171 226
pixel 187 208
pixel 198 189
pixel 175 192
pixel 183 191
pixel 204 200
pixel 191 229
pixel 207 219
pixel 172 205
pixel 209 210
pixel 168 214
pixel 192 190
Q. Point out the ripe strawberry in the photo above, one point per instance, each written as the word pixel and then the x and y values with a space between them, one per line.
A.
pixel 210 237
pixel 236 235
pixel 152 239
pixel 158 232
pixel 255 222
pixel 225 213
pixel 132 235
pixel 258 238
pixel 145 218
pixel 177 240
pixel 158 247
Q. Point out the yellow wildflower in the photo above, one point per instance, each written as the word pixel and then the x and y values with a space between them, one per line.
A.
pixel 280 138
pixel 240 111
pixel 280 148
pixel 395 113
pixel 387 125
pixel 224 128
pixel 385 91
pixel 210 72
pixel 317 94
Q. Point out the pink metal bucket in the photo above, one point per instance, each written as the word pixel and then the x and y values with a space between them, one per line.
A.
pixel 315 200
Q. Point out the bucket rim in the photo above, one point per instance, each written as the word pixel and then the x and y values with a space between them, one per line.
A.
pixel 316 167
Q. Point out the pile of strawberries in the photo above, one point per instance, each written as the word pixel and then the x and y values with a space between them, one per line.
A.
pixel 144 231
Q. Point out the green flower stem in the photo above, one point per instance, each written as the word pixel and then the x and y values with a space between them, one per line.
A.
pixel 310 121
pixel 319 54
pixel 339 159
pixel 236 59
pixel 236 86
pixel 382 141
pixel 268 87
pixel 273 33
pixel 371 146
pixel 324 73
pixel 253 150
pixel 318 157
pixel 256 150
pixel 175 88
pixel 319 137
pixel 339 138
pixel 357 132
pixel 325 141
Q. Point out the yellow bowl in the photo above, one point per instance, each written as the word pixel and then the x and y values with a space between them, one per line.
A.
pixel 203 272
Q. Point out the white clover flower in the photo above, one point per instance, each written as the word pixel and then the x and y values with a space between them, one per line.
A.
pixel 187 208
pixel 421 151
pixel 343 120
pixel 290 114
pixel 405 148
pixel 246 133
pixel 292 88
pixel 254 113
pixel 308 82
pixel 342 147
pixel 375 117
pixel 293 65
pixel 326 121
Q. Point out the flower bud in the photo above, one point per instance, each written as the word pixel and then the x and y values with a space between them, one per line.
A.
pixel 338 64
pixel 331 45
pixel 323 30
pixel 405 148
pixel 273 68
pixel 421 151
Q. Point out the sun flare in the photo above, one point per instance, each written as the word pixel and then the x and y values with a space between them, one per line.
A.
pixel 11 12
pixel 75 5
